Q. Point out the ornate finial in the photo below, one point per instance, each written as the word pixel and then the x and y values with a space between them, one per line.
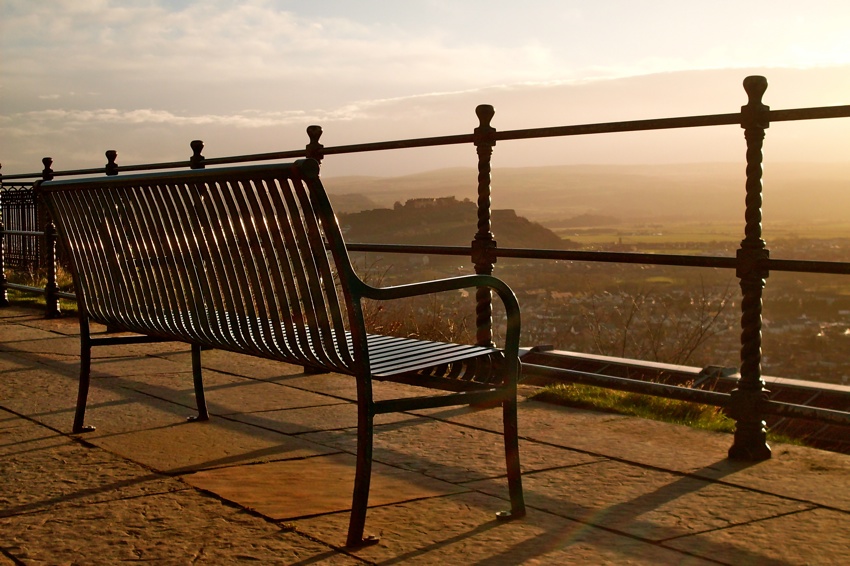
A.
pixel 47 173
pixel 755 85
pixel 484 132
pixel 754 114
pixel 314 133
pixel 111 166
pixel 197 160
pixel 485 113
pixel 314 148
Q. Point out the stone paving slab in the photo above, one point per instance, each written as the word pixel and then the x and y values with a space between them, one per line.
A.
pixel 644 503
pixel 462 529
pixel 52 390
pixel 601 488
pixel 31 456
pixel 35 341
pixel 155 432
pixel 35 319
pixel 313 486
pixel 184 527
pixel 184 446
pixel 227 394
pixel 819 536
pixel 49 398
pixel 237 364
pixel 10 363
pixel 450 453
pixel 793 471
pixel 638 440
pixel 341 415
pixel 667 446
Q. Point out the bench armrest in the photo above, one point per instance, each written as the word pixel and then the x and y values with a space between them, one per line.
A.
pixel 452 284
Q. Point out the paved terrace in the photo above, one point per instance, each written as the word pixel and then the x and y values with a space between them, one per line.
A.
pixel 268 480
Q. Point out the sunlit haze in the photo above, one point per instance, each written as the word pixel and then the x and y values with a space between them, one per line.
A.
pixel 79 77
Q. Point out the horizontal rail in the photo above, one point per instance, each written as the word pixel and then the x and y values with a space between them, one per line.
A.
pixel 790 410
pixel 627 126
pixel 405 249
pixel 717 399
pixel 788 265
pixel 809 113
pixel 632 385
pixel 40 291
pixel 27 288
pixel 620 257
pixel 734 118
pixel 256 157
pixel 807 266
pixel 21 233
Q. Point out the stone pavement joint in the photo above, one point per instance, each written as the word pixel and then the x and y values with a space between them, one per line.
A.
pixel 269 478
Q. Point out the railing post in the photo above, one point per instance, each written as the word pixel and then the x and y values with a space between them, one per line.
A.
pixel 4 294
pixel 197 160
pixel 745 401
pixel 51 289
pixel 41 215
pixel 315 150
pixel 111 167
pixel 484 246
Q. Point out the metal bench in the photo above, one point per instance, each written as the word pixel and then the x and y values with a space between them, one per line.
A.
pixel 251 259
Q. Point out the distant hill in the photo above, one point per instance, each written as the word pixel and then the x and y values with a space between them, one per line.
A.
pixel 353 202
pixel 700 192
pixel 442 221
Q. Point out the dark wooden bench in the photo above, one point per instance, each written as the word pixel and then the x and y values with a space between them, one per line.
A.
pixel 251 259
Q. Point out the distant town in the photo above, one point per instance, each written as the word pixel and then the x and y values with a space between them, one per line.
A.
pixel 685 316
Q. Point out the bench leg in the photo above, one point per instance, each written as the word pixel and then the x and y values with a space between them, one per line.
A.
pixel 83 391
pixel 85 378
pixel 198 379
pixel 517 511
pixel 362 480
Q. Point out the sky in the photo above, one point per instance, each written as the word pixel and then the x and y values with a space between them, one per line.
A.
pixel 145 77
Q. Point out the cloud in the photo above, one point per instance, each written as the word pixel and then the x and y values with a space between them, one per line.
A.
pixel 56 119
pixel 121 73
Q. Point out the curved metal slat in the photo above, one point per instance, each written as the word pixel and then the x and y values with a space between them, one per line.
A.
pixel 332 326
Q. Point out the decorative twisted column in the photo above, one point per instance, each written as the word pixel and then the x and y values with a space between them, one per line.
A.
pixel 4 292
pixel 315 150
pixel 197 160
pixel 484 246
pixel 42 218
pixel 111 167
pixel 51 289
pixel 745 401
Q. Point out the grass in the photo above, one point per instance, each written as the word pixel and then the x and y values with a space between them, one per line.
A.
pixel 38 278
pixel 695 415
pixel 30 300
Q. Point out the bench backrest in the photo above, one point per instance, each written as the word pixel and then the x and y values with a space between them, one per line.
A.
pixel 249 259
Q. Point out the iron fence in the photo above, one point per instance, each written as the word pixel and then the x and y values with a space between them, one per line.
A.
pixel 748 403
pixel 20 214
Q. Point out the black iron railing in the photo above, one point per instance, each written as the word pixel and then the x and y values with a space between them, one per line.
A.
pixel 748 403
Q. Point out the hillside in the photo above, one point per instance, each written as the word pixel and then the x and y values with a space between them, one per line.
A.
pixel 691 192
pixel 442 221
